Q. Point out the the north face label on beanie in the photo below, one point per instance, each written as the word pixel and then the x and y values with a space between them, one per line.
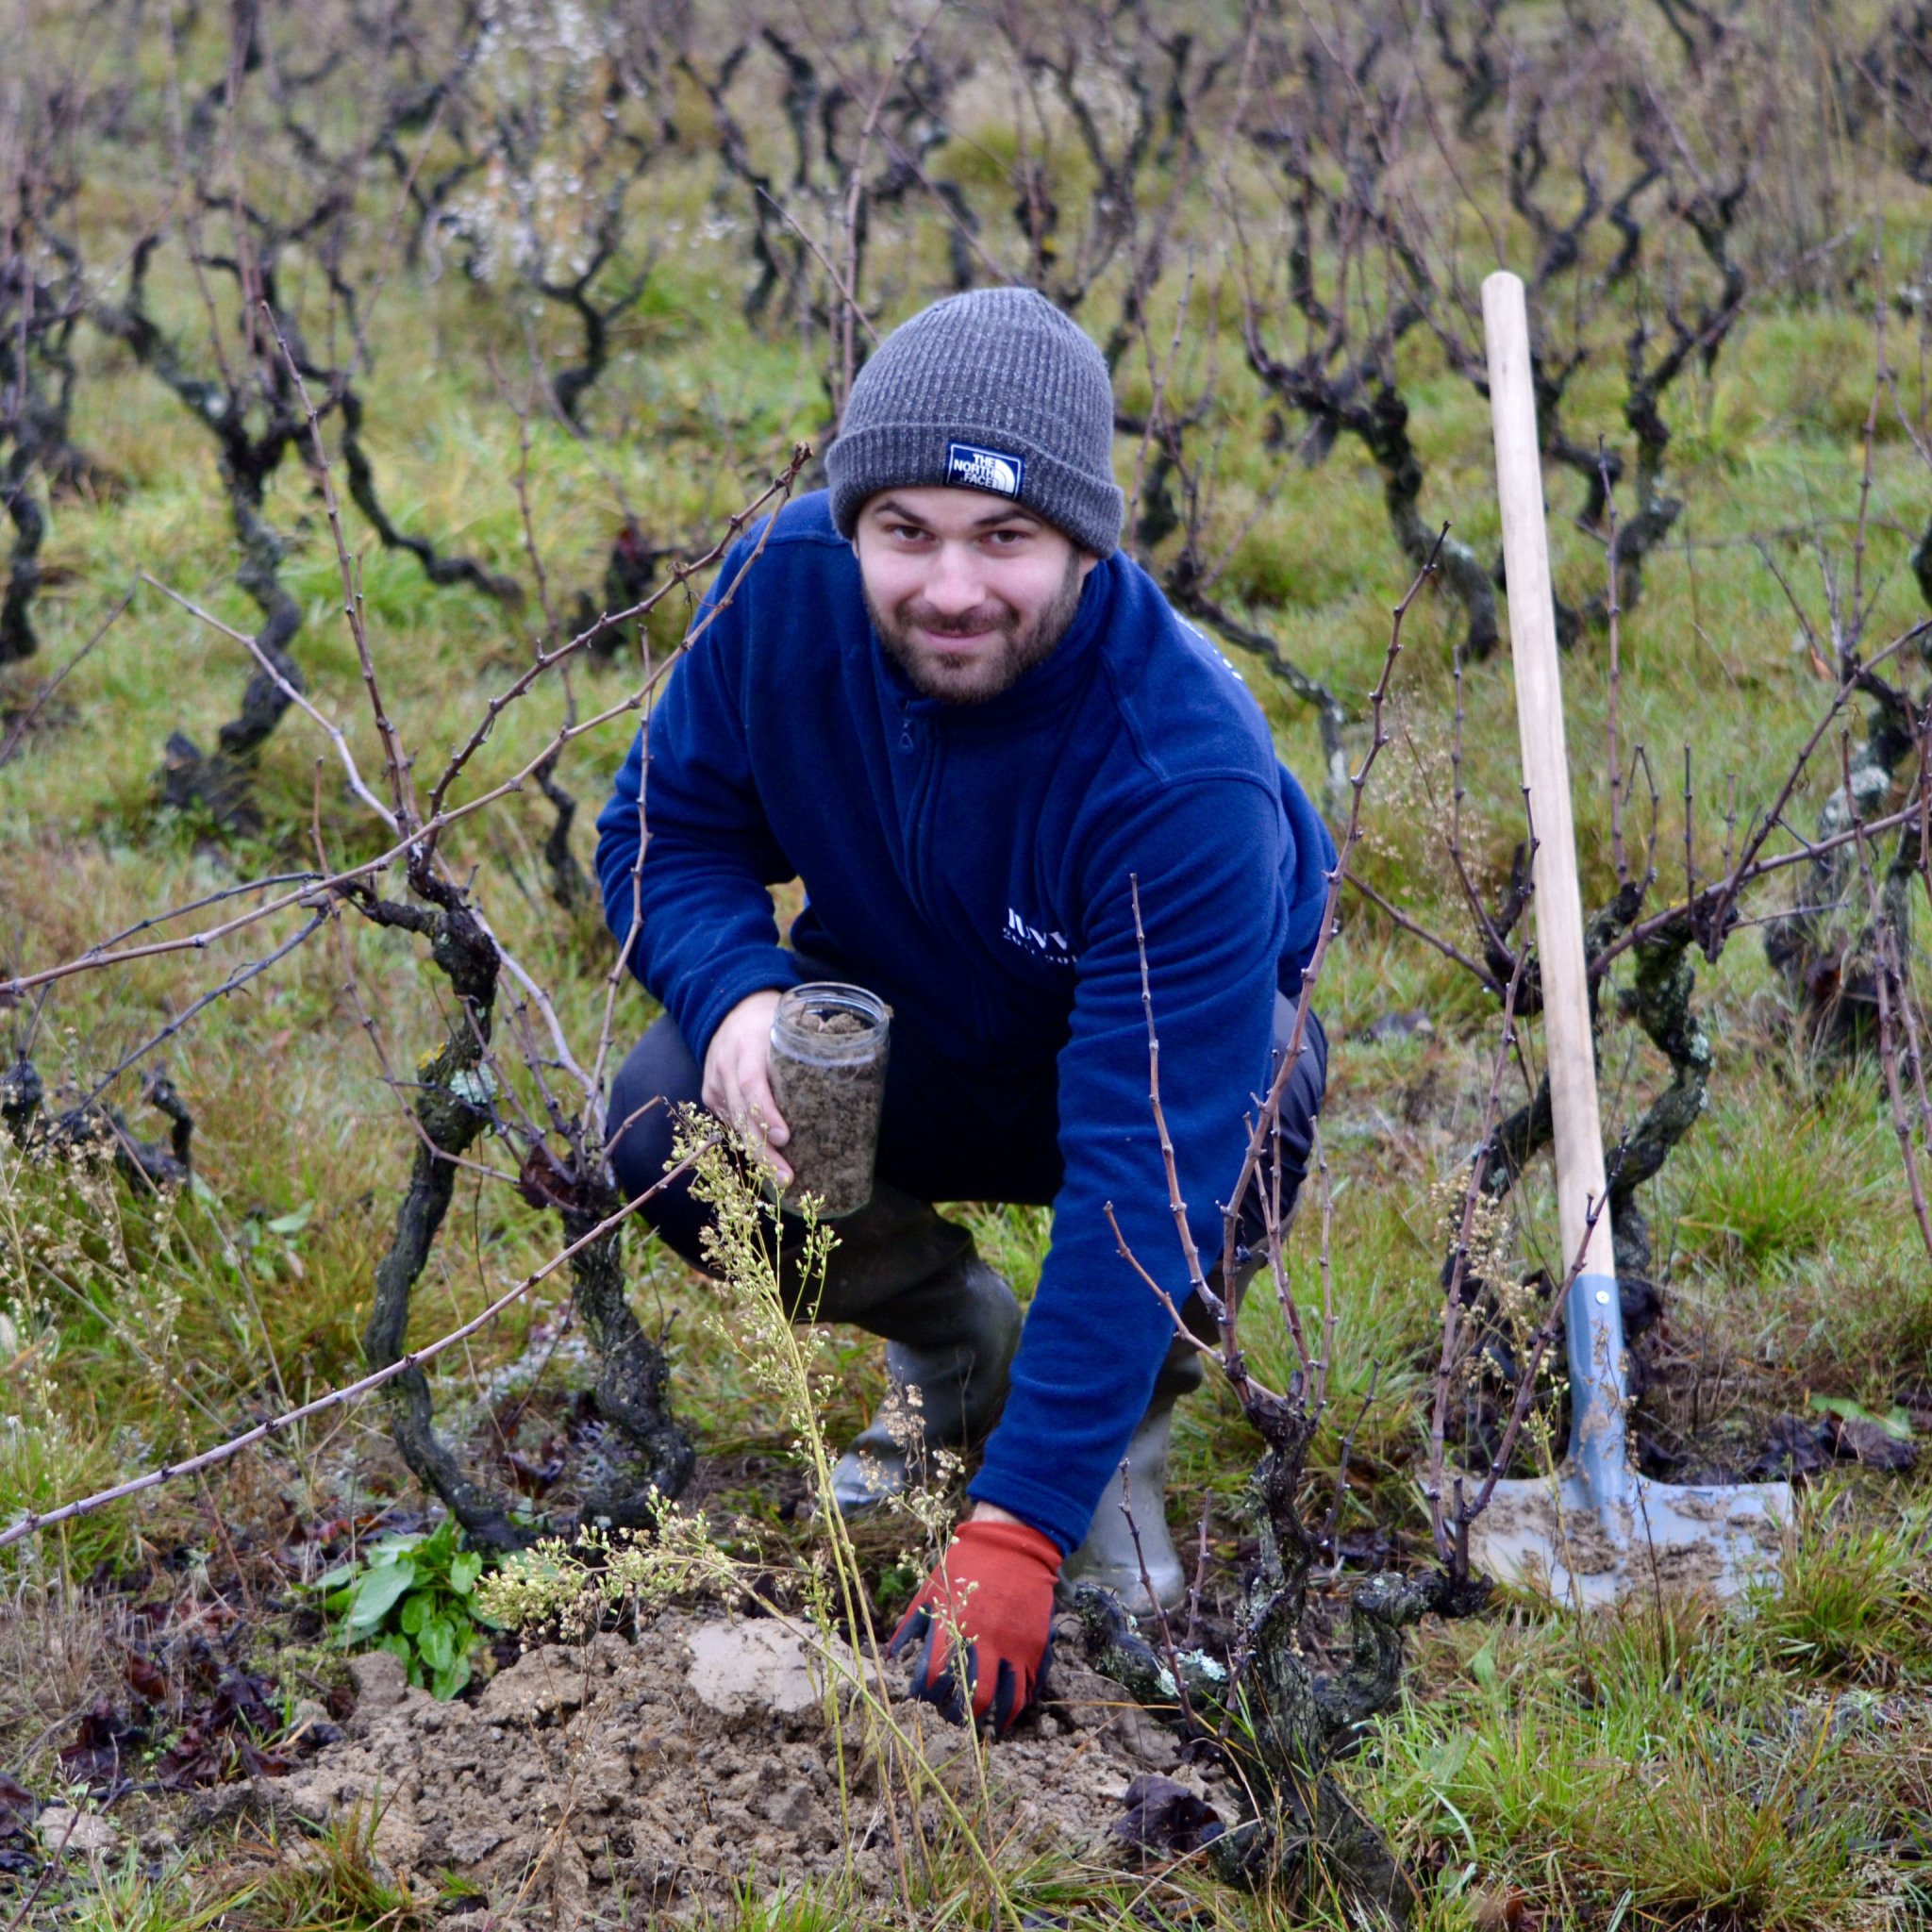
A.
pixel 992 469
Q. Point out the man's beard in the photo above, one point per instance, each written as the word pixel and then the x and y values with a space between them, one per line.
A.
pixel 972 678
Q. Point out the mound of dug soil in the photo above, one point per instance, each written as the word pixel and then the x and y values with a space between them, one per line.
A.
pixel 664 1771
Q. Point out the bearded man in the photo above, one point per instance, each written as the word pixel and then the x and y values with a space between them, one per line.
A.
pixel 944 701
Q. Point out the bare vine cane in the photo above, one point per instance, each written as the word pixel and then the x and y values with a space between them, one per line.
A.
pixel 1282 1726
pixel 96 959
pixel 1451 1546
pixel 776 491
pixel 399 767
pixel 1189 579
pixel 23 723
pixel 1489 975
pixel 343 885
pixel 1331 1530
pixel 34 1521
pixel 1708 908
pixel 1448 948
pixel 1199 1581
pixel 447 1115
pixel 314 891
pixel 1613 613
pixel 1710 911
pixel 1271 1111
pixel 1660 942
pixel 1912 855
pixel 272 673
pixel 568 886
pixel 239 977
pixel 455 1103
pixel 633 1379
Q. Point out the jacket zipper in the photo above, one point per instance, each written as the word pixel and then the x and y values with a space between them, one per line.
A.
pixel 918 809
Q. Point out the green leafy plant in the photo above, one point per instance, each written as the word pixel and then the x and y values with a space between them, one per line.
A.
pixel 415 1595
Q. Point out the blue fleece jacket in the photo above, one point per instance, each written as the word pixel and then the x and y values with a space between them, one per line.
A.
pixel 971 864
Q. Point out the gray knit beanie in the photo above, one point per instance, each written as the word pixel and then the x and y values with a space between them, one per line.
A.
pixel 994 390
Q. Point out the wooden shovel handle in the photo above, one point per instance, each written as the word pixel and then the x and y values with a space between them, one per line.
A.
pixel 1596 1324
pixel 1546 771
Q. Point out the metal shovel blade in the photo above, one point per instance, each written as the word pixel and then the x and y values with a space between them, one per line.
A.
pixel 1665 1536
pixel 1600 1530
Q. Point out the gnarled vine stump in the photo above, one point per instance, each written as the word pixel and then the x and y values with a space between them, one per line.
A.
pixel 454 1105
pixel 1288 1725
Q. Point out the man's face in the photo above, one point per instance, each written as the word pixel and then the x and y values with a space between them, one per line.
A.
pixel 968 590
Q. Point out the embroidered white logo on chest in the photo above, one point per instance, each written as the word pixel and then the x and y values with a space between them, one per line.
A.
pixel 992 469
pixel 1049 946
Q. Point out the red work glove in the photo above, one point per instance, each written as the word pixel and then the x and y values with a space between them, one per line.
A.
pixel 995 1585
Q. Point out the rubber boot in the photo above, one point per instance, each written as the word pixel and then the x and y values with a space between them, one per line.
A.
pixel 952 1327
pixel 1108 1557
pixel 955 1337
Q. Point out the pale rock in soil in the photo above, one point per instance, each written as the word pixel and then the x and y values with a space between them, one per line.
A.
pixel 77 1834
pixel 379 1678
pixel 778 1666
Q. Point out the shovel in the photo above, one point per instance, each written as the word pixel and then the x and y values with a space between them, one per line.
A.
pixel 1597 1528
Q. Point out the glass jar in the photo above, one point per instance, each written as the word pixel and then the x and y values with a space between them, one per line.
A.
pixel 829 1076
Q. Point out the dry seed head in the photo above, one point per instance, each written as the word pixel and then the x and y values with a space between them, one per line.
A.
pixel 742 1249
pixel 573 1587
pixel 1491 1231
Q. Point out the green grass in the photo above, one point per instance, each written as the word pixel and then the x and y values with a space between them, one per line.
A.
pixel 1753 1200
pixel 1680 1761
pixel 1851 1600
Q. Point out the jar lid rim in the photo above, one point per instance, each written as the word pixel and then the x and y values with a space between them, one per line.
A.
pixel 835 993
pixel 832 1049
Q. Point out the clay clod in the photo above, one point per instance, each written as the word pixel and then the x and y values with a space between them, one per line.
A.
pixel 669 1772
pixel 735 1667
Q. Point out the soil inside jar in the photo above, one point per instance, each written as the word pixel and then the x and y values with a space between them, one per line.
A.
pixel 846 1024
pixel 832 1108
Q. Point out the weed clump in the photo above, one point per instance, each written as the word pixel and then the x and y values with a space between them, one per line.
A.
pixel 415 1595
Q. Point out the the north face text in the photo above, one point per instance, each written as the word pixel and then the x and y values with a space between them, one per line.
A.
pixel 968 468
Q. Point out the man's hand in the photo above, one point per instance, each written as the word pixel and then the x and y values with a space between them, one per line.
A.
pixel 738 1077
pixel 995 1588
